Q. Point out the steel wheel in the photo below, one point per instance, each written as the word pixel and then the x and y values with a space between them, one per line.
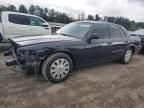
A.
pixel 59 68
pixel 128 55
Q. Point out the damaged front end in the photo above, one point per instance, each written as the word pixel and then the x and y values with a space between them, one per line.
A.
pixel 27 59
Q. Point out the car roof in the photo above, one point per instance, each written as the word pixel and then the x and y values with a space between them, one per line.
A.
pixel 19 13
pixel 99 22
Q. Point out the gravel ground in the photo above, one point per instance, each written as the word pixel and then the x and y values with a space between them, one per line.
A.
pixel 110 85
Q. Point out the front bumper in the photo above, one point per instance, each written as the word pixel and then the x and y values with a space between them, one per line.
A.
pixel 11 62
pixel 29 66
pixel 8 53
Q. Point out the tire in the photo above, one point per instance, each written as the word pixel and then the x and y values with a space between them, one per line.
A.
pixel 57 67
pixel 127 56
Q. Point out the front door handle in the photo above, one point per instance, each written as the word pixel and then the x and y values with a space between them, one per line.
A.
pixel 105 44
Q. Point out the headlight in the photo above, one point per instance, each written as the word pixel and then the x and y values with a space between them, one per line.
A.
pixel 26 52
pixel 28 55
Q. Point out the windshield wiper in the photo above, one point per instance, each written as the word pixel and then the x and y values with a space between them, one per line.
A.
pixel 63 34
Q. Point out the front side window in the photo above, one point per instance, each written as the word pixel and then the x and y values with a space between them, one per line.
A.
pixel 34 21
pixel 101 30
pixel 75 29
pixel 116 32
pixel 18 19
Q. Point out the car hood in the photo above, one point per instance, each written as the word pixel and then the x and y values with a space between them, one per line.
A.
pixel 31 40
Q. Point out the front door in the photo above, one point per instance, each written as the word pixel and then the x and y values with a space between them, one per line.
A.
pixel 37 28
pixel 98 50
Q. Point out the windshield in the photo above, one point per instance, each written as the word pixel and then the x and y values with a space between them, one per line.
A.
pixel 75 29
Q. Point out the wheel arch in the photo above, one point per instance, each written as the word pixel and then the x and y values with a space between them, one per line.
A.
pixel 132 47
pixel 60 51
pixel 67 53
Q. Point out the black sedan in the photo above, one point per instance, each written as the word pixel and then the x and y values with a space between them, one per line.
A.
pixel 76 44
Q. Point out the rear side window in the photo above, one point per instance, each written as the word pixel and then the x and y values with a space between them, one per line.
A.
pixel 116 32
pixel 102 31
pixel 19 19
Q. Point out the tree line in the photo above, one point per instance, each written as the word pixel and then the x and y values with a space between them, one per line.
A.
pixel 51 15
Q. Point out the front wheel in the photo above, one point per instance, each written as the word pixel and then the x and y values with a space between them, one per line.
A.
pixel 127 56
pixel 57 67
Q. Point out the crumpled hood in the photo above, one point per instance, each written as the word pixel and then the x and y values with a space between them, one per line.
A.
pixel 31 40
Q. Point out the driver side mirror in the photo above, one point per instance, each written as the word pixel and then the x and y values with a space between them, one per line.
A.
pixel 93 36
pixel 45 25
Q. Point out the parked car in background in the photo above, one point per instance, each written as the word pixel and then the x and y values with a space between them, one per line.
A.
pixel 140 34
pixel 76 44
pixel 55 26
pixel 14 24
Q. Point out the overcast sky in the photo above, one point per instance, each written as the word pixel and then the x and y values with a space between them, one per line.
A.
pixel 133 9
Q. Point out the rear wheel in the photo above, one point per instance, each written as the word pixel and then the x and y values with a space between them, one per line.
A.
pixel 57 67
pixel 127 56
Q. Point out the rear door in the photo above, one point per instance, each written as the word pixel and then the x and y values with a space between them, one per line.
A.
pixel 118 39
pixel 17 25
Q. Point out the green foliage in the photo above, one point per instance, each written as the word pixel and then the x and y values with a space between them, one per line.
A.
pixel 52 15
pixel 3 8
pixel 97 18
pixel 140 25
pixel 121 21
pixel 11 8
pixel 32 9
pixel 90 17
pixel 22 9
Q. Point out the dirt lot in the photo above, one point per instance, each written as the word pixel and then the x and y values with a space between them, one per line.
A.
pixel 110 85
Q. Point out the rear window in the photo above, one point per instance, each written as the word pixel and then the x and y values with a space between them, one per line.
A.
pixel 116 32
pixel 19 19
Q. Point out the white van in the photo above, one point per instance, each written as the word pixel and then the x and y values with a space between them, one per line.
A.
pixel 14 24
